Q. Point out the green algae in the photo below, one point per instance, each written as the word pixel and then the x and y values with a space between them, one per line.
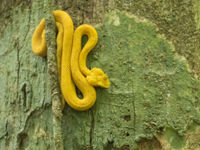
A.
pixel 150 83
pixel 193 127
pixel 176 141
pixel 177 20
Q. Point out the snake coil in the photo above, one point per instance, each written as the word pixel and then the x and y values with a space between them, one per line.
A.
pixel 71 60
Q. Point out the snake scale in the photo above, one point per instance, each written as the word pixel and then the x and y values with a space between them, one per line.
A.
pixel 71 60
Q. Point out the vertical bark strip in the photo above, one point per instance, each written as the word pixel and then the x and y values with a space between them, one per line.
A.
pixel 53 75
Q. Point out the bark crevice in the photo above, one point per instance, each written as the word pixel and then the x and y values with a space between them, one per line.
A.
pixel 91 129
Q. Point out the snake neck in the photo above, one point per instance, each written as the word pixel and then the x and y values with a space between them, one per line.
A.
pixel 91 33
pixel 95 76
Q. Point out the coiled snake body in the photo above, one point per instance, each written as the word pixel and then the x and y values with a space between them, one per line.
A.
pixel 71 60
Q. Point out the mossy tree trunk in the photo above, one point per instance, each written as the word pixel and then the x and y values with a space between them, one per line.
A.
pixel 150 51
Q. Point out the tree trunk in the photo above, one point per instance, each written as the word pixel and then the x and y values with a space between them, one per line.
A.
pixel 150 51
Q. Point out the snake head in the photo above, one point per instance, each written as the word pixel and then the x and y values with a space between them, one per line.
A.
pixel 98 78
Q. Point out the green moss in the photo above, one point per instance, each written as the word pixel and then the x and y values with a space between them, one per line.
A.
pixel 177 20
pixel 176 141
pixel 150 83
pixel 193 127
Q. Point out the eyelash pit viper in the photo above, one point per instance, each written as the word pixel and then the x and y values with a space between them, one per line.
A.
pixel 71 60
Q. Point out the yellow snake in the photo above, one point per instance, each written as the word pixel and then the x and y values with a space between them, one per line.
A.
pixel 71 60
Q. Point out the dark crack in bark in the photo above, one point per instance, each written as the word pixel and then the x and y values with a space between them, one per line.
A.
pixel 91 129
pixel 18 68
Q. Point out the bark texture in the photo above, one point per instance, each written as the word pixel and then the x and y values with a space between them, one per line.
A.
pixel 148 48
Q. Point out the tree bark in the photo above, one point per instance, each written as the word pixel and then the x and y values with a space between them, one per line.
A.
pixel 150 51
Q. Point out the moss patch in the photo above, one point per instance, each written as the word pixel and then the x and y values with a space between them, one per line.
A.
pixel 176 141
pixel 178 20
pixel 150 83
